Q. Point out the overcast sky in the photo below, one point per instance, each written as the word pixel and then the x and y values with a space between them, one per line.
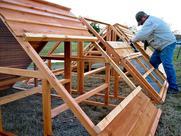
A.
pixel 123 11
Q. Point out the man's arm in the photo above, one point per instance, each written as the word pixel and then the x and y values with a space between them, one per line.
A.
pixel 144 33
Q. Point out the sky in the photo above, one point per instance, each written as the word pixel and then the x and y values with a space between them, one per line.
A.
pixel 123 11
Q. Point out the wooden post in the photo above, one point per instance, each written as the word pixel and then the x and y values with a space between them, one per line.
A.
pixel 116 84
pixel 46 108
pixel 80 68
pixel 67 64
pixel 107 80
pixel 49 64
pixel 35 79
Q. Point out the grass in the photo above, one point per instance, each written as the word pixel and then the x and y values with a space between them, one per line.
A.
pixel 60 49
pixel 170 121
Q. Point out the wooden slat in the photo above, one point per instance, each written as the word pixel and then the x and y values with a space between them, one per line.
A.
pixel 55 37
pixel 18 95
pixel 41 7
pixel 94 71
pixel 28 22
pixel 40 18
pixel 32 11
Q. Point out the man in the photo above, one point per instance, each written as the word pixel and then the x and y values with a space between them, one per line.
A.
pixel 159 36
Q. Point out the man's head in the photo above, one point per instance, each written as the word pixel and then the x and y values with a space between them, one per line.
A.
pixel 141 17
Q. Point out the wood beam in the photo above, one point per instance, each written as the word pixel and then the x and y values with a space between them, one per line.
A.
pixel 79 99
pixel 19 95
pixel 107 81
pixel 67 64
pixel 56 37
pixel 46 100
pixel 94 71
pixel 80 68
pixel 21 72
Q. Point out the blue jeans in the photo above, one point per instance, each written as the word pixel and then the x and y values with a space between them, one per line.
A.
pixel 165 57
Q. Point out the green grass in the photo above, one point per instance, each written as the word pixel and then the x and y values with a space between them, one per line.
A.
pixel 177 63
pixel 60 49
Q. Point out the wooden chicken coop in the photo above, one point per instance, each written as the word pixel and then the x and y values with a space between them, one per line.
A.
pixel 26 27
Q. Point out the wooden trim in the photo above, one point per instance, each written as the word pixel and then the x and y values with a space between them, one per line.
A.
pixel 19 95
pixel 56 37
pixel 21 72
pixel 79 99
pixel 102 125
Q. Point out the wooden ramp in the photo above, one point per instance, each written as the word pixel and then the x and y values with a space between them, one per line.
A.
pixel 137 64
pixel 31 24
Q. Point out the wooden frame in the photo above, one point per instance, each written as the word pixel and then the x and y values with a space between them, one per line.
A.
pixel 27 35
pixel 120 58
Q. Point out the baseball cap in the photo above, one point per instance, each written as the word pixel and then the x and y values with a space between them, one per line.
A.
pixel 139 17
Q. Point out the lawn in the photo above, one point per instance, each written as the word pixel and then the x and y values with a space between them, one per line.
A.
pixel 170 122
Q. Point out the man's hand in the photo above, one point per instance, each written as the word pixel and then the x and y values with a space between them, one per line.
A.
pixel 132 45
pixel 146 44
